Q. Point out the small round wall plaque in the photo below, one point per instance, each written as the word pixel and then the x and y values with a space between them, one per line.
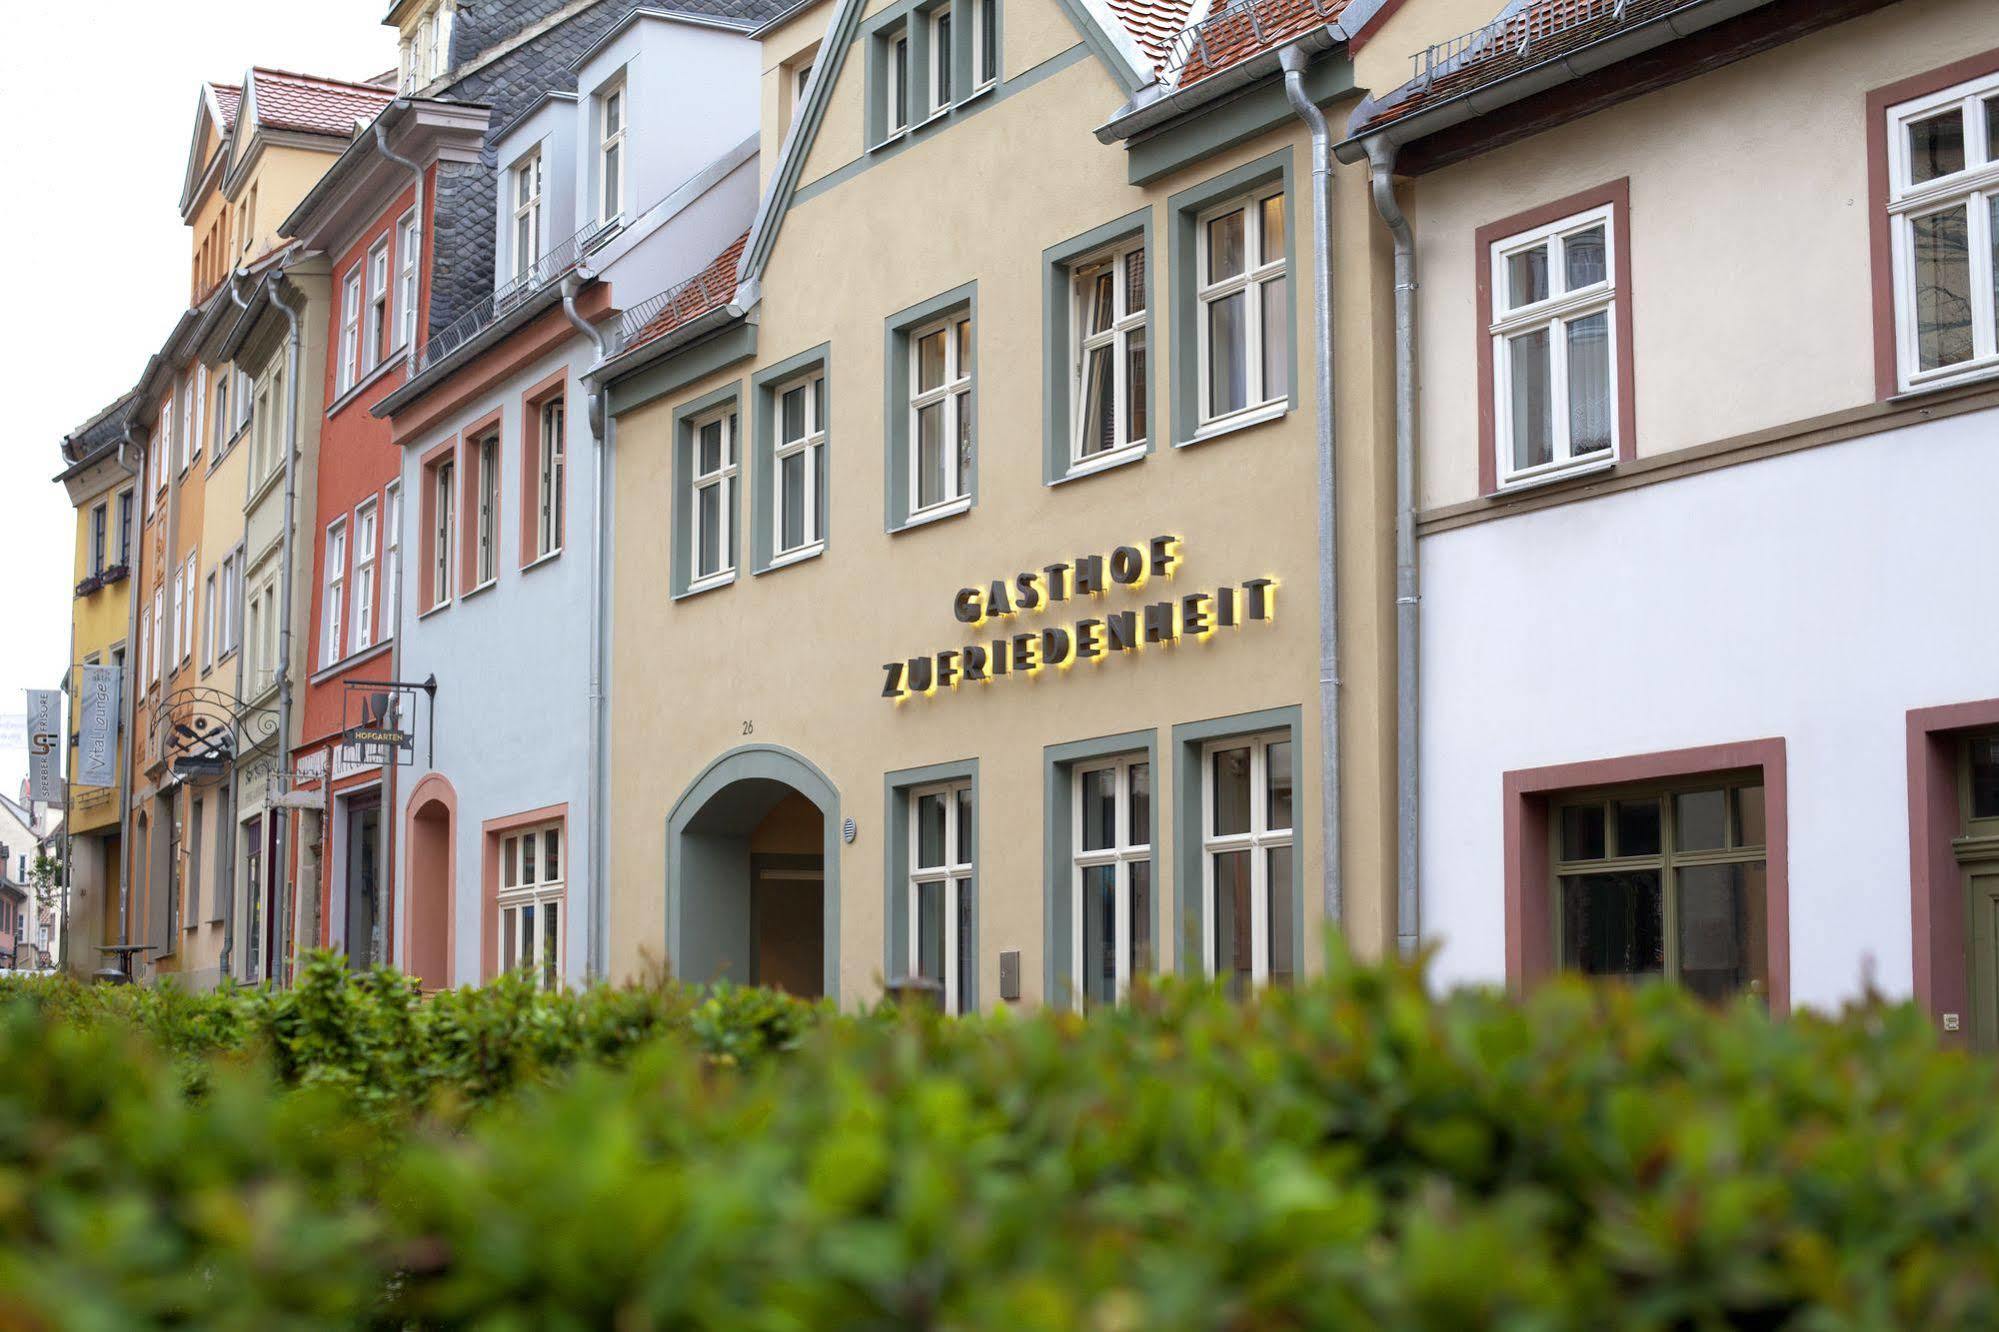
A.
pixel 848 831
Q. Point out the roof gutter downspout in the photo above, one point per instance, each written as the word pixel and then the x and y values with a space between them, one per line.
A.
pixel 128 708
pixel 1408 597
pixel 235 772
pixel 416 207
pixel 281 855
pixel 1293 59
pixel 599 938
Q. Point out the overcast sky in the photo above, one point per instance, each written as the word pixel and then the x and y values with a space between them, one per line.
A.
pixel 100 102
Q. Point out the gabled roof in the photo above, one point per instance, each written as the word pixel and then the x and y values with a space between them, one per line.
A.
pixel 308 104
pixel 228 96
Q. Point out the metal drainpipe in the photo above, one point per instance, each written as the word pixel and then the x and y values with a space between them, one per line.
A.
pixel 1293 60
pixel 128 693
pixel 416 207
pixel 280 858
pixel 600 926
pixel 1408 582
pixel 235 774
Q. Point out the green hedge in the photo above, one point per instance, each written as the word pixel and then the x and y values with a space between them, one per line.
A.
pixel 1350 1153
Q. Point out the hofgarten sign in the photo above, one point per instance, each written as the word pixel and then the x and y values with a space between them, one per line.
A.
pixel 1026 652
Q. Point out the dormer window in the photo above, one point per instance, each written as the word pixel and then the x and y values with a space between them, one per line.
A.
pixel 611 155
pixel 426 47
pixel 527 215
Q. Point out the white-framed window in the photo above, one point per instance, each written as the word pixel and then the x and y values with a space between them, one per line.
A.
pixel 218 413
pixel 527 214
pixel 157 641
pixel 267 427
pixel 444 533
pixel 1943 206
pixel 940 58
pixel 798 461
pixel 426 52
pixel 985 43
pixel 488 528
pixel 210 648
pixel 125 528
pixel 334 602
pixel 193 390
pixel 940 414
pixel 710 557
pixel 611 154
pixel 231 588
pixel 100 536
pixel 1248 914
pixel 940 890
pixel 190 575
pixel 408 250
pixel 350 331
pixel 1244 324
pixel 257 666
pixel 530 903
pixel 1111 878
pixel 179 613
pixel 1554 363
pixel 1108 375
pixel 549 479
pixel 147 655
pixel 898 82
pixel 365 523
pixel 392 557
pixel 378 302
pixel 801 79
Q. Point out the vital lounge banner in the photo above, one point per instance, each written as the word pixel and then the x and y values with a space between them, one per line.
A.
pixel 97 729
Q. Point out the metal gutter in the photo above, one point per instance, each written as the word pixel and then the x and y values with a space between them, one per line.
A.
pixel 281 857
pixel 1135 118
pixel 423 381
pixel 634 359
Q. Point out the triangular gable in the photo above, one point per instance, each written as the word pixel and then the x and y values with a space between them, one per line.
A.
pixel 1093 20
pixel 207 114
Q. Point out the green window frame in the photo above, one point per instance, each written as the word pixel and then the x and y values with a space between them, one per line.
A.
pixel 902 330
pixel 903 42
pixel 1062 766
pixel 687 418
pixel 1061 336
pixel 1694 852
pixel 769 388
pixel 957 876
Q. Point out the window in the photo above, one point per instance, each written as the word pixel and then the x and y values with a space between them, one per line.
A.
pixel 426 50
pixel 1246 844
pixel 333 621
pixel 267 429
pixel 711 551
pixel 185 624
pixel 364 575
pixel 156 459
pixel 527 215
pixel 100 521
pixel 350 332
pixel 898 82
pixel 940 410
pixel 1111 881
pixel 444 530
pixel 378 302
pixel 799 466
pixel 125 529
pixel 145 648
pixel 487 552
pixel 408 250
pixel 1664 881
pixel 1243 325
pixel 610 155
pixel 1107 298
pixel 232 596
pixel 940 58
pixel 154 654
pixel 801 79
pixel 549 479
pixel 257 666
pixel 985 43
pixel 530 903
pixel 209 646
pixel 1943 206
pixel 392 558
pixel 1554 371
pixel 218 414
pixel 940 891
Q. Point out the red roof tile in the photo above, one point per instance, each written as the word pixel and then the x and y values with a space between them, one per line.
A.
pixel 228 96
pixel 311 105
pixel 1234 31
pixel 710 289
pixel 1541 31
pixel 1153 24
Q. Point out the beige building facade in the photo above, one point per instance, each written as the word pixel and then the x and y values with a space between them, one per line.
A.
pixel 966 578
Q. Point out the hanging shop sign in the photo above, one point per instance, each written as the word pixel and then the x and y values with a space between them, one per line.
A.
pixel 97 728
pixel 1018 652
pixel 378 722
pixel 45 746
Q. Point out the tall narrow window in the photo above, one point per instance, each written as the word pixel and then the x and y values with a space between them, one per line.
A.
pixel 210 648
pixel 392 558
pixel 350 331
pixel 184 627
pixel 549 479
pixel 1244 322
pixel 898 83
pixel 155 645
pixel 488 531
pixel 365 535
pixel 125 529
pixel 611 155
pixel 985 43
pixel 799 466
pixel 940 406
pixel 1554 314
pixel 527 215
pixel 333 624
pixel 530 902
pixel 1247 905
pixel 145 649
pixel 232 596
pixel 1111 884
pixel 378 302
pixel 190 431
pixel 444 479
pixel 408 250
pixel 1943 205
pixel 1109 373
pixel 940 58
pixel 100 521
pixel 940 891
pixel 218 414
pixel 711 556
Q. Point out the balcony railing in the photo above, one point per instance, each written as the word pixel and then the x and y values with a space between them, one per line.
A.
pixel 679 303
pixel 1514 34
pixel 1239 29
pixel 551 266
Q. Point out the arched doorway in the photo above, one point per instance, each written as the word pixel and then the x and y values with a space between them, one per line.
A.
pixel 432 873
pixel 752 874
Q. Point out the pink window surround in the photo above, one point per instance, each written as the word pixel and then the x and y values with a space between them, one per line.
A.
pixel 1936 885
pixel 492 832
pixel 1528 792
pixel 1616 195
pixel 475 436
pixel 1881 260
